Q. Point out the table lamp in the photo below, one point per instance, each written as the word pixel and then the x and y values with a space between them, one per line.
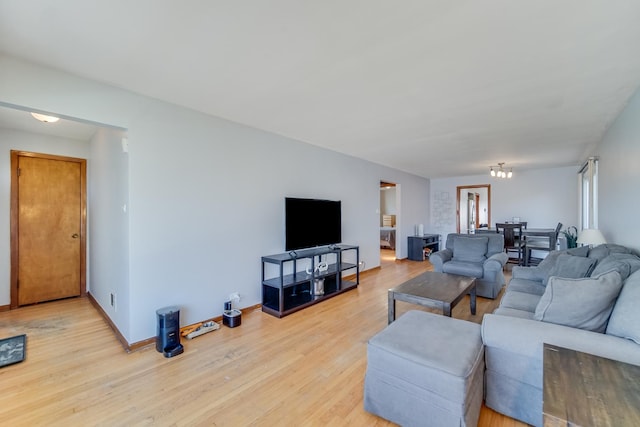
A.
pixel 591 237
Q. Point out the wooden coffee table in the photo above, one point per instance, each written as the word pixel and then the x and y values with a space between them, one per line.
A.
pixel 434 290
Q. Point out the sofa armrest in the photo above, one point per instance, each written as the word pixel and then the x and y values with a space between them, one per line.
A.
pixel 439 258
pixel 525 337
pixel 528 273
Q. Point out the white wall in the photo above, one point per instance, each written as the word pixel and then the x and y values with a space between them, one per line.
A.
pixel 108 254
pixel 619 178
pixel 23 141
pixel 207 201
pixel 206 197
pixel 541 197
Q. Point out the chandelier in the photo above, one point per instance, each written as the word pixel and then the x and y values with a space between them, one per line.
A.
pixel 498 171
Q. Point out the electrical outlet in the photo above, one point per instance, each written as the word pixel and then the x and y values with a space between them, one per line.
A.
pixel 112 300
pixel 235 297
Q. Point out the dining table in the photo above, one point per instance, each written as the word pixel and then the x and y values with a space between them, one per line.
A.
pixel 550 233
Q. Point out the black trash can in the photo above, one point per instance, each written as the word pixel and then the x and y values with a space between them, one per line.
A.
pixel 168 338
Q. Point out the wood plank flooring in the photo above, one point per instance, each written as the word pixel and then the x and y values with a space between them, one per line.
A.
pixel 306 369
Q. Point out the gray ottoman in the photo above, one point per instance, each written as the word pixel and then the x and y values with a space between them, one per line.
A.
pixel 425 369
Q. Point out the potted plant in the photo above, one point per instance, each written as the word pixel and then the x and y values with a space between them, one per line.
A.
pixel 571 234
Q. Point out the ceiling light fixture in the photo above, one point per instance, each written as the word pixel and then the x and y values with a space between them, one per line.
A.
pixel 498 171
pixel 44 118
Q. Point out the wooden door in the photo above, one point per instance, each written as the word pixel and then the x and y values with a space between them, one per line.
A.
pixel 48 214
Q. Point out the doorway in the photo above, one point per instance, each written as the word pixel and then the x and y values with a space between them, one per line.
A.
pixel 389 220
pixel 48 227
pixel 473 207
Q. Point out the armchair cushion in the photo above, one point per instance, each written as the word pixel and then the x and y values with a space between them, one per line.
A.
pixel 584 303
pixel 470 249
pixel 470 269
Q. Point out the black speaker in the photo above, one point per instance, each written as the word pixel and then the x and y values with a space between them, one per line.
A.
pixel 168 337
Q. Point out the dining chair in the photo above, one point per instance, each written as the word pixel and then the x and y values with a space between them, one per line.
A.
pixel 524 227
pixel 514 244
pixel 540 244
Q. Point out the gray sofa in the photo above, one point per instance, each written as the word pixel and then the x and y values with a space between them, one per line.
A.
pixel 480 256
pixel 581 299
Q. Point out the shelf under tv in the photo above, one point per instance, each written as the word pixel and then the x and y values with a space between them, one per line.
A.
pixel 288 287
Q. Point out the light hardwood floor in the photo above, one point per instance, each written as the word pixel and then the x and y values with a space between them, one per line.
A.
pixel 306 369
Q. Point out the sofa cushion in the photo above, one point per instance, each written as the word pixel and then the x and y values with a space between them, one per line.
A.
pixel 582 251
pixel 514 312
pixel 527 286
pixel 470 269
pixel 631 259
pixel 584 303
pixel 520 301
pixel 624 263
pixel 625 318
pixel 572 267
pixel 609 264
pixel 620 249
pixel 470 249
pixel 550 261
pixel 600 252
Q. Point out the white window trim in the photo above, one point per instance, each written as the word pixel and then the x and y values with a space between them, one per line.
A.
pixel 589 195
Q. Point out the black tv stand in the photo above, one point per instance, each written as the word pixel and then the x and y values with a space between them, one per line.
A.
pixel 288 281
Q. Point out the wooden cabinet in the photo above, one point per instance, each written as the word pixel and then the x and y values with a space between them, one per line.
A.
pixel 297 279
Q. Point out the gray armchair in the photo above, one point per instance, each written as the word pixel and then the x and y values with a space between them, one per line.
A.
pixel 480 256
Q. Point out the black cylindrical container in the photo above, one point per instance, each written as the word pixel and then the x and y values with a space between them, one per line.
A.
pixel 168 337
pixel 232 318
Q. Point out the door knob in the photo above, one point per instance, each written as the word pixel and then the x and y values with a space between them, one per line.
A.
pixel 74 235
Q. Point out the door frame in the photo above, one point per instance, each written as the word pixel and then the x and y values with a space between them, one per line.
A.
pixel 15 154
pixel 468 187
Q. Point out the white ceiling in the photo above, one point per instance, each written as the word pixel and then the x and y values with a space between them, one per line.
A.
pixel 433 87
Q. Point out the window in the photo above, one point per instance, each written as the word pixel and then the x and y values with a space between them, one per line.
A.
pixel 589 193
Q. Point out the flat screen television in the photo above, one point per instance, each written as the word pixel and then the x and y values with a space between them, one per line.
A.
pixel 312 222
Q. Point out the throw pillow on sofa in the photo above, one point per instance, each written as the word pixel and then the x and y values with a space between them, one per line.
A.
pixel 584 303
pixel 625 318
pixel 625 264
pixel 470 249
pixel 572 267
pixel 551 260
